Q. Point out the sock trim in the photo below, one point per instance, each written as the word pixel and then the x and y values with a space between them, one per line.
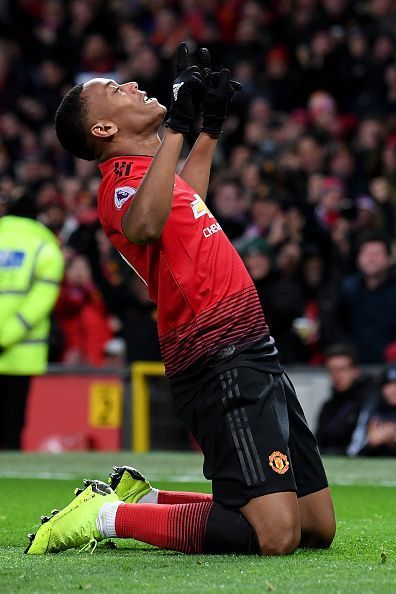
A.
pixel 151 497
pixel 105 521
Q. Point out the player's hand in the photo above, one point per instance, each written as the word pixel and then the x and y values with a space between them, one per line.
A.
pixel 220 90
pixel 187 92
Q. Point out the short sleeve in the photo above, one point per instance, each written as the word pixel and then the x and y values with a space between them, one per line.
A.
pixel 115 201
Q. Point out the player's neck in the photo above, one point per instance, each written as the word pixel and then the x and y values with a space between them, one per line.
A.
pixel 139 146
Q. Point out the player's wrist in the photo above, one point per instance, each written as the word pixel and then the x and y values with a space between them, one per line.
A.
pixel 210 136
pixel 212 125
pixel 177 126
pixel 171 132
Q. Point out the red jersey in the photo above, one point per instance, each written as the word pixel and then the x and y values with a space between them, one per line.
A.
pixel 205 298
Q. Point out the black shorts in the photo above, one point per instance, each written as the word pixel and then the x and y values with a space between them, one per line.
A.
pixel 246 417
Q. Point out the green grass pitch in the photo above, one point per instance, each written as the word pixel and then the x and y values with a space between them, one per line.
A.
pixel 361 560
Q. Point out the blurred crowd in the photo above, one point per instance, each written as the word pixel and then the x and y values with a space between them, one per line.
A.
pixel 304 181
pixel 359 418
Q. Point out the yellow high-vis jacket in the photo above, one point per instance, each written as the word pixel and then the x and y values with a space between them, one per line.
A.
pixel 31 269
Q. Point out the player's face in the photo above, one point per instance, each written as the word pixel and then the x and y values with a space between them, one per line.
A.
pixel 342 372
pixel 125 105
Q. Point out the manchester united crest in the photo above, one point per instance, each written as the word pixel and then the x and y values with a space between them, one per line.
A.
pixel 278 462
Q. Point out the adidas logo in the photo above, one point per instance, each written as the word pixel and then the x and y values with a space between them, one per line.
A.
pixel 176 88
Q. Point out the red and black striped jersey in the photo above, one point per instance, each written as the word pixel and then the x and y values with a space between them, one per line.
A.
pixel 205 298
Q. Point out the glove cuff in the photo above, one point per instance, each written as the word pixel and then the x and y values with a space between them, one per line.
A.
pixel 177 126
pixel 212 125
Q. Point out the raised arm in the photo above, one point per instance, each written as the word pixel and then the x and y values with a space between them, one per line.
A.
pixel 196 169
pixel 147 214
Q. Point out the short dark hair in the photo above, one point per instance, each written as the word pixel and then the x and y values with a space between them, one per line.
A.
pixel 342 350
pixel 374 236
pixel 71 125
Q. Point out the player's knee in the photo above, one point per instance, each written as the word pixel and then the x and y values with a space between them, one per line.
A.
pixel 282 542
pixel 321 537
pixel 281 545
pixel 326 536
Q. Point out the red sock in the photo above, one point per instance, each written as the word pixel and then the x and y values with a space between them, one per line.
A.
pixel 172 497
pixel 176 527
pixel 204 527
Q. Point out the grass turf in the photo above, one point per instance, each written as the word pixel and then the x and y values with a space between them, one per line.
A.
pixel 361 560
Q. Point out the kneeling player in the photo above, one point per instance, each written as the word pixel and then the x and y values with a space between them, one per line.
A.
pixel 270 493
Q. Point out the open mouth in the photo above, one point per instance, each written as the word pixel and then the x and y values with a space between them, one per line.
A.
pixel 148 99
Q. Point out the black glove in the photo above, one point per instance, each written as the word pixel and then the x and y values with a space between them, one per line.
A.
pixel 219 92
pixel 187 92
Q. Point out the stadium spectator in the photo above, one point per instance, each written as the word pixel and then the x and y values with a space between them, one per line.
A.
pixel 328 210
pixel 132 314
pixel 278 84
pixel 375 433
pixel 314 287
pixel 229 206
pixel 96 58
pixel 82 316
pixel 31 267
pixel 279 294
pixel 139 318
pixel 367 301
pixel 351 389
pixel 266 220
